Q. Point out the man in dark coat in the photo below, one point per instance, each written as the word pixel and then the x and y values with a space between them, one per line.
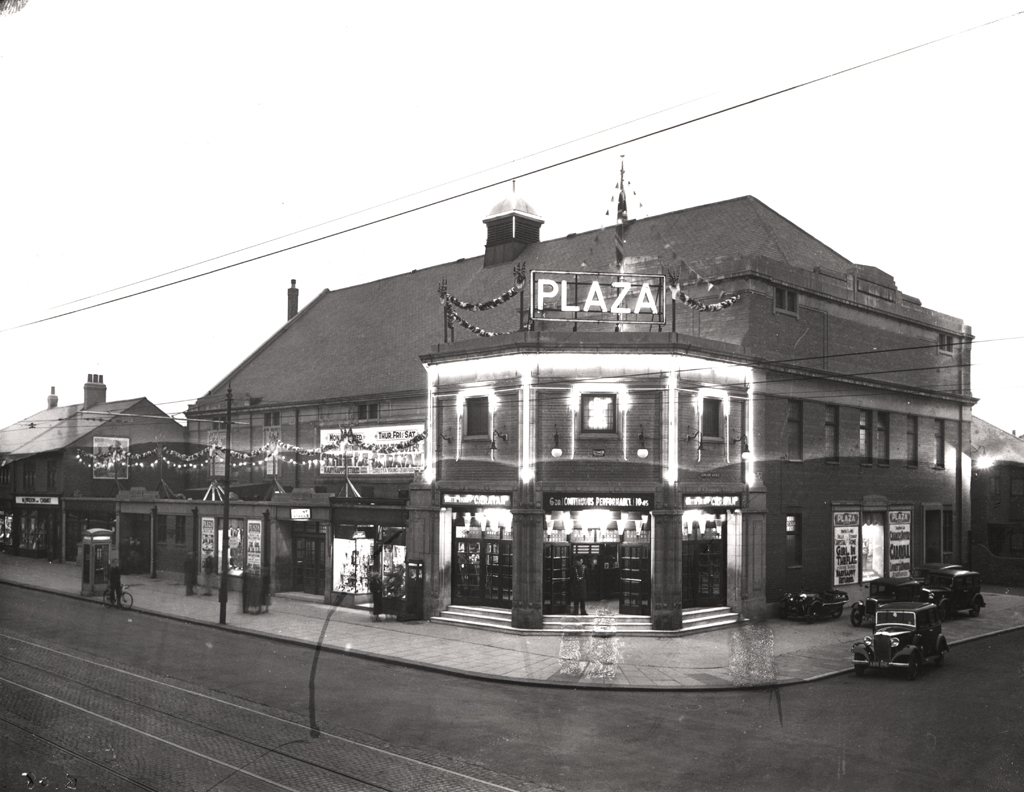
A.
pixel 579 588
pixel 191 574
pixel 114 572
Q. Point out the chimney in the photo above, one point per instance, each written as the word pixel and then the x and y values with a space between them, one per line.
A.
pixel 95 391
pixel 51 400
pixel 293 301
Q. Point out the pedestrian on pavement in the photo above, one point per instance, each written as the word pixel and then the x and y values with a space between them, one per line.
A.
pixel 114 572
pixel 377 592
pixel 209 568
pixel 265 590
pixel 579 588
pixel 190 574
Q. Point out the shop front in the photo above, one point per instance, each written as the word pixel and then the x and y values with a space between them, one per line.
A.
pixel 612 535
pixel 367 539
pixel 871 543
pixel 35 528
pixel 708 521
pixel 481 542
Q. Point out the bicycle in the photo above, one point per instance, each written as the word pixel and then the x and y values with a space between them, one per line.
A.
pixel 110 598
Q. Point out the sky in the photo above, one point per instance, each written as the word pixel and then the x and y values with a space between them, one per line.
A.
pixel 144 147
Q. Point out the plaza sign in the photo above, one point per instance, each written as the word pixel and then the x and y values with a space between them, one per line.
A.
pixel 610 297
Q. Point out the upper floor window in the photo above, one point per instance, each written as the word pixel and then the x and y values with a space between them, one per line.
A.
pixel 598 411
pixel 795 431
pixel 794 541
pixel 271 440
pixel 911 441
pixel 831 433
pixel 28 474
pixel 946 343
pixel 368 412
pixel 711 417
pixel 478 416
pixel 940 443
pixel 865 436
pixel 785 300
pixel 5 474
pixel 51 474
pixel 994 486
pixel 882 438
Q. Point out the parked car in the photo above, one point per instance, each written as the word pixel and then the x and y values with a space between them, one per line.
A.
pixel 882 591
pixel 921 572
pixel 813 605
pixel 906 635
pixel 955 590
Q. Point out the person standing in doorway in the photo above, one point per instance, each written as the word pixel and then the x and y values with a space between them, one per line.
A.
pixel 377 593
pixel 209 568
pixel 190 574
pixel 579 588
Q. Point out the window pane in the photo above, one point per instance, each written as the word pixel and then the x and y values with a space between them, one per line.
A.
pixel 477 416
pixel 912 441
pixel 940 443
pixel 832 432
pixel 865 436
pixel 794 544
pixel 882 437
pixel 598 414
pixel 794 431
pixel 711 419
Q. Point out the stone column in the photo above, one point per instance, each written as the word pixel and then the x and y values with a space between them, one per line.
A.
pixel 424 541
pixel 527 561
pixel 752 603
pixel 667 570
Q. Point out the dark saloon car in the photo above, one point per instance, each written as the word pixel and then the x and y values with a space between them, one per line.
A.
pixel 907 634
pixel 882 591
pixel 922 572
pixel 955 590
pixel 813 605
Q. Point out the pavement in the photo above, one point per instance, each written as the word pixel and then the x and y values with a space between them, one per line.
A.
pixel 768 653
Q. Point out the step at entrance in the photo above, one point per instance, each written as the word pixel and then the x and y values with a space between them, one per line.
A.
pixel 499 619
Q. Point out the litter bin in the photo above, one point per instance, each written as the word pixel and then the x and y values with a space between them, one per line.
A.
pixel 413 610
pixel 96 547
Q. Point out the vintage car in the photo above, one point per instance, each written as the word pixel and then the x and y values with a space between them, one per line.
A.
pixel 882 591
pixel 907 634
pixel 813 605
pixel 954 590
pixel 921 572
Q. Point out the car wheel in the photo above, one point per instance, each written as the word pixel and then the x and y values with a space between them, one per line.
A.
pixel 859 670
pixel 913 667
pixel 812 615
pixel 856 617
pixel 975 609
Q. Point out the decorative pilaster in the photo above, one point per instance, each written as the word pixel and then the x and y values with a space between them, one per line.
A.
pixel 527 561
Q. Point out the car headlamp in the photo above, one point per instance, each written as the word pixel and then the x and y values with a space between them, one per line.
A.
pixel 867 640
pixel 894 642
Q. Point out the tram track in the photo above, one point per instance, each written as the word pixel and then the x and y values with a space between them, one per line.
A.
pixel 177 725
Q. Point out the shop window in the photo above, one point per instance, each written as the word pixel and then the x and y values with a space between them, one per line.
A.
pixel 872 546
pixel 28 474
pixel 711 418
pixel 785 300
pixel 597 411
pixel 795 431
pixel 368 412
pixel 911 441
pixel 831 433
pixel 478 416
pixel 865 437
pixel 882 438
pixel 794 541
pixel 51 474
pixel 940 443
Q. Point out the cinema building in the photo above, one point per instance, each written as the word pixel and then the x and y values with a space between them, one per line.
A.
pixel 709 407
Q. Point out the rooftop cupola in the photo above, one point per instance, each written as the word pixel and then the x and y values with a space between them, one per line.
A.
pixel 512 225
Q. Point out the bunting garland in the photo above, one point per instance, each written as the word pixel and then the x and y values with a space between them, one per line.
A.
pixel 675 290
pixel 452 317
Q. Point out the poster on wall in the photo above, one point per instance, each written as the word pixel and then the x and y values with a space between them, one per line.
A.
pixel 374 449
pixel 110 457
pixel 899 543
pixel 208 537
pixel 254 545
pixel 353 562
pixel 845 530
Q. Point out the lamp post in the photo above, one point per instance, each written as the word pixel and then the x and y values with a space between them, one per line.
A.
pixel 227 513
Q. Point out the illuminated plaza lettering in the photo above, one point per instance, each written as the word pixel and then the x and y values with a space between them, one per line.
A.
pixel 612 296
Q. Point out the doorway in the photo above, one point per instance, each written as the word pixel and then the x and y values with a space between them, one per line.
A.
pixel 309 567
pixel 704 546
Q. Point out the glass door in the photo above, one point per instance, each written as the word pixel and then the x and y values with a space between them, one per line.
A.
pixel 635 579
pixel 556 578
pixel 309 564
pixel 704 540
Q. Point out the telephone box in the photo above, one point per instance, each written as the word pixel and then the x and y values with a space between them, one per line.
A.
pixel 96 546
pixel 413 610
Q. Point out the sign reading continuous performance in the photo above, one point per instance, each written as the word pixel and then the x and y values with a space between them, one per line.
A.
pixel 610 297
pixel 566 501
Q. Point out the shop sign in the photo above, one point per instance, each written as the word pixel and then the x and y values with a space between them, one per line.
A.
pixel 899 544
pixel 711 500
pixel 846 518
pixel 380 450
pixel 475 499
pixel 559 501
pixel 846 556
pixel 301 514
pixel 254 545
pixel 610 297
pixel 37 500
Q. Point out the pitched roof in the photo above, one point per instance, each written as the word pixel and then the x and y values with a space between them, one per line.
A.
pixel 60 427
pixel 995 443
pixel 366 339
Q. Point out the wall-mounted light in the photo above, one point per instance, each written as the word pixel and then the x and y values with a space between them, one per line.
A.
pixel 496 434
pixel 642 450
pixel 744 449
pixel 445 437
pixel 556 449
pixel 699 438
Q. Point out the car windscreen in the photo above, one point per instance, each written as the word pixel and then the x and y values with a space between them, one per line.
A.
pixel 896 617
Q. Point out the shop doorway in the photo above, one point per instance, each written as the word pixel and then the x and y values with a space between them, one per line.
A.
pixel 482 556
pixel 704 547
pixel 309 567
